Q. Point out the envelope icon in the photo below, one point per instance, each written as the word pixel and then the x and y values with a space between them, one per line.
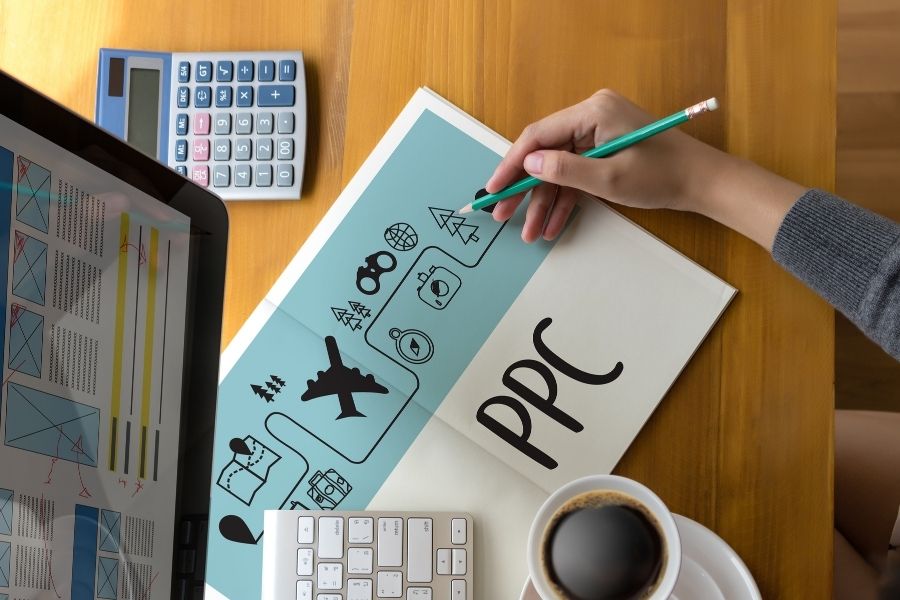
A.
pixel 51 425
pixel 26 341
pixel 33 194
pixel 29 268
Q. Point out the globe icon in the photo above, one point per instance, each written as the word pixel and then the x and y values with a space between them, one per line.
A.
pixel 401 236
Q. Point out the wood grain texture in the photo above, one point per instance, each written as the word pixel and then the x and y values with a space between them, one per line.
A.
pixel 743 440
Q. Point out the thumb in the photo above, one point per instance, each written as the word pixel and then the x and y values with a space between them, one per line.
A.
pixel 566 169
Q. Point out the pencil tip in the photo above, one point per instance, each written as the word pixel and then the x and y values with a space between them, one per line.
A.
pixel 465 209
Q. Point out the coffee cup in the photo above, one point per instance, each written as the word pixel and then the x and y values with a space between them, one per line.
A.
pixel 600 536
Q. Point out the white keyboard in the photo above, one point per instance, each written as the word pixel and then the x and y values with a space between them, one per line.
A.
pixel 347 555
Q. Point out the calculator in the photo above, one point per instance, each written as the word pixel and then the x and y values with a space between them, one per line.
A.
pixel 234 122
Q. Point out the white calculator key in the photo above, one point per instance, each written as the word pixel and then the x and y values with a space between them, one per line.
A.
pixel 390 584
pixel 331 537
pixel 359 561
pixel 360 530
pixel 443 561
pixel 304 561
pixel 390 542
pixel 330 576
pixel 458 531
pixel 458 589
pixel 305 530
pixel 418 550
pixel 359 589
pixel 418 593
pixel 459 561
pixel 304 590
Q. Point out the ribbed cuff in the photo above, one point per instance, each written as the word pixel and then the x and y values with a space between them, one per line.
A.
pixel 834 246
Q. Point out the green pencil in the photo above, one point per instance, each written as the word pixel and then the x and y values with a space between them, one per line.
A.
pixel 523 185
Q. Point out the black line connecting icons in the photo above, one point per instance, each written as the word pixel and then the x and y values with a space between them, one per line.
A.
pixel 401 237
pixel 341 381
pixel 368 276
pixel 413 345
pixel 439 285
pixel 454 224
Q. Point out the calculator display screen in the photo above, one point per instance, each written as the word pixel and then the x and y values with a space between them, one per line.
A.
pixel 143 110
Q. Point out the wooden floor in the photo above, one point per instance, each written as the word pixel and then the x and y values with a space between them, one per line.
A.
pixel 868 173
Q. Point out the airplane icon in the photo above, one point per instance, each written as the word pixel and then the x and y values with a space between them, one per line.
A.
pixel 341 381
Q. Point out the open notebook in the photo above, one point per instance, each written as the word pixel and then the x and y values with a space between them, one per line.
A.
pixel 410 358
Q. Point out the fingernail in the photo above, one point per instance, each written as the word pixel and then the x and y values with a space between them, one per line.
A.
pixel 534 162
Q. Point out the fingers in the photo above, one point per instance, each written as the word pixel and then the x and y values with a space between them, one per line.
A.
pixel 542 199
pixel 560 213
pixel 569 170
pixel 505 209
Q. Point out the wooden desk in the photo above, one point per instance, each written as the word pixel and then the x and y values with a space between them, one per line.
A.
pixel 743 442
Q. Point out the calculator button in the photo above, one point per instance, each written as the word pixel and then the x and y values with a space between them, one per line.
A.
pixel 201 150
pixel 285 149
pixel 222 149
pixel 181 170
pixel 204 71
pixel 184 97
pixel 286 122
pixel 223 124
pixel 242 149
pixel 276 95
pixel 184 71
pixel 264 179
pixel 264 123
pixel 224 70
pixel 201 124
pixel 285 176
pixel 264 149
pixel 200 174
pixel 243 123
pixel 245 70
pixel 181 128
pixel 181 150
pixel 287 70
pixel 267 70
pixel 223 96
pixel 243 175
pixel 221 175
pixel 244 96
pixel 202 96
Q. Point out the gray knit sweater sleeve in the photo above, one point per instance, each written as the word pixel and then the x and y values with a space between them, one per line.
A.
pixel 851 257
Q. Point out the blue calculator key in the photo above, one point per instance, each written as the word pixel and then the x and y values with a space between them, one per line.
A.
pixel 244 96
pixel 204 71
pixel 287 70
pixel 181 124
pixel 267 70
pixel 181 170
pixel 183 98
pixel 202 96
pixel 181 150
pixel 245 70
pixel 223 96
pixel 224 70
pixel 184 71
pixel 276 95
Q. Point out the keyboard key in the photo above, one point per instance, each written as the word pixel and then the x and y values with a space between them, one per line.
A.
pixel 286 122
pixel 418 550
pixel 390 584
pixel 459 561
pixel 359 589
pixel 223 124
pixel 264 149
pixel 184 71
pixel 243 123
pixel 328 597
pixel 243 175
pixel 202 96
pixel 201 124
pixel 276 95
pixel 244 96
pixel 443 561
pixel 305 530
pixel 304 590
pixel 264 179
pixel 458 589
pixel 181 150
pixel 204 71
pixel 390 530
pixel 330 576
pixel 331 537
pixel 285 149
pixel 222 151
pixel 287 70
pixel 304 562
pixel 223 96
pixel 284 177
pixel 267 70
pixel 418 593
pixel 201 150
pixel 181 127
pixel 360 531
pixel 221 178
pixel 245 70
pixel 264 123
pixel 224 70
pixel 181 170
pixel 183 98
pixel 200 175
pixel 458 531
pixel 359 561
pixel 242 149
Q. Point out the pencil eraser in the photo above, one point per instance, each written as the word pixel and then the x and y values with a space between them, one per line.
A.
pixel 712 104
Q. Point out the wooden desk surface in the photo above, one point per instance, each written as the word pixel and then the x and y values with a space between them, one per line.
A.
pixel 743 442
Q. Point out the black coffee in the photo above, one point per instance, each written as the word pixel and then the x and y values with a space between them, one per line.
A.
pixel 603 545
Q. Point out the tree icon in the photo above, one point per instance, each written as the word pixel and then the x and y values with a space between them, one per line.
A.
pixel 341 381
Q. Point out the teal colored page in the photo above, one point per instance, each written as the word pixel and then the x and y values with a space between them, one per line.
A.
pixel 347 371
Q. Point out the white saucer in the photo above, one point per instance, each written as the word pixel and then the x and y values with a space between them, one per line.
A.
pixel 710 569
